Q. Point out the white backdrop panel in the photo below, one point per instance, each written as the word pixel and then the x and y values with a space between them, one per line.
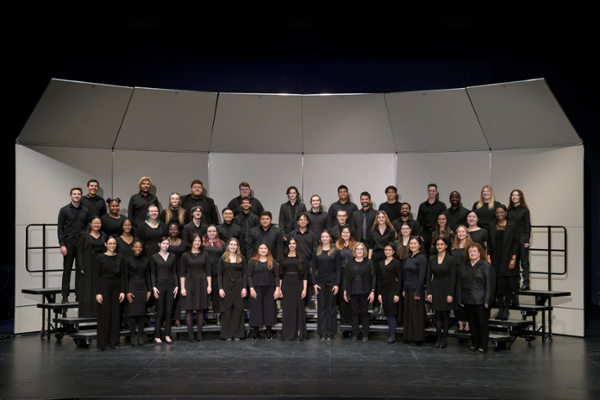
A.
pixel 259 123
pixel 521 114
pixel 465 172
pixel 170 172
pixel 77 114
pixel 168 120
pixel 323 173
pixel 269 175
pixel 346 124
pixel 434 121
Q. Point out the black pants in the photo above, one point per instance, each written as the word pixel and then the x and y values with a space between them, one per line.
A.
pixel 164 308
pixel 109 313
pixel 71 245
pixel 326 310
pixel 477 316
pixel 360 310
pixel 376 258
pixel 262 309
pixel 524 259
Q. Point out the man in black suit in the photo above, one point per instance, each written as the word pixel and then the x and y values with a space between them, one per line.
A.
pixel 290 210
pixel 197 198
pixel 363 219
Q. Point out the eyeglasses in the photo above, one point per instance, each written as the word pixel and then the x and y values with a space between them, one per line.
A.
pixel 473 251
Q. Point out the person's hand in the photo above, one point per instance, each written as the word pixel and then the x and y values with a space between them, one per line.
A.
pixel 208 289
pixel 486 305
pixel 430 298
pixel 148 296
pixel 99 298
pixel 277 294
pixel 371 297
pixel 303 294
pixel 346 299
pixel 489 259
pixel 253 293
pixel 417 297
pixel 449 299
pixel 403 293
pixel 380 299
pixel 121 297
pixel 512 264
pixel 335 290
pixel 222 293
pixel 175 292
pixel 396 299
pixel 183 292
pixel 526 245
pixel 317 287
pixel 130 297
pixel 156 293
pixel 63 250
pixel 244 292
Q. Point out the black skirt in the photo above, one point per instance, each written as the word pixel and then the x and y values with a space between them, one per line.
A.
pixel 294 317
pixel 414 317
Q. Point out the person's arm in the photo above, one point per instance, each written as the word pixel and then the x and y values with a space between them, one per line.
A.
pixel 220 276
pixel 452 277
pixel 422 263
pixel 338 267
pixel 314 267
pixel 283 220
pixel 80 253
pixel 250 267
pixel 97 271
pixel 61 230
pixel 373 276
pixel 516 245
pixel 398 266
pixel 527 216
pixel 244 277
pixel 428 275
pixel 276 276
pixel 214 216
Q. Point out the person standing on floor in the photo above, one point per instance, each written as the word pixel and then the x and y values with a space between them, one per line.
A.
pixel 326 277
pixel 360 290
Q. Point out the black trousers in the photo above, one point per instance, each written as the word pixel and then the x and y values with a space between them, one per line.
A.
pixel 326 310
pixel 359 304
pixel 71 245
pixel 524 259
pixel 109 313
pixel 262 309
pixel 164 308
pixel 477 315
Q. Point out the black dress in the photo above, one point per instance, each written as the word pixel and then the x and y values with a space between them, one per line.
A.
pixel 441 281
pixel 459 258
pixel 215 252
pixel 390 285
pixel 480 236
pixel 87 252
pixel 137 282
pixel 345 309
pixel 124 248
pixel 414 270
pixel 232 279
pixel 195 267
pixel 110 283
pixel 111 226
pixel 150 236
pixel 326 274
pixel 178 251
pixel 486 215
pixel 292 285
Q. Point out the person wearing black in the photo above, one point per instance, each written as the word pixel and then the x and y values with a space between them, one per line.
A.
pixel 441 282
pixel 319 220
pixel 215 248
pixel 406 216
pixel 196 198
pixel 89 246
pixel 293 284
pixel 174 213
pixel 343 203
pixel 92 201
pixel 462 241
pixel 503 250
pixel 139 202
pixel 486 207
pixel 177 247
pixel 236 203
pixel 72 218
pixel 518 212
pixel 111 222
pixel 428 213
pixel 326 272
pixel 139 289
pixel 390 289
pixel 246 220
pixel 196 285
pixel 165 287
pixel 150 232
pixel 404 236
pixel 109 287
pixel 457 214
pixel 343 221
pixel 125 239
pixel 363 219
pixel 263 282
pixel 382 233
pixel 228 229
pixel 360 290
pixel 476 232
pixel 414 270
pixel 289 211
pixel 232 289
pixel 474 292
pixel 195 225
pixel 391 206
pixel 345 245
pixel 442 230
pixel 265 233
pixel 307 244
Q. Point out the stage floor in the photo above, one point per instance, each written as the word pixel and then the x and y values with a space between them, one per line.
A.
pixel 31 368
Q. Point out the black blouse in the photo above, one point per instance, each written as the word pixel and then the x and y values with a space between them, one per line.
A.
pixel 259 274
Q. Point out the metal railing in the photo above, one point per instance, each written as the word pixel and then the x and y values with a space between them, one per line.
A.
pixel 43 248
pixel 551 250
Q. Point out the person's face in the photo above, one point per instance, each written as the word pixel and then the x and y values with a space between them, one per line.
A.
pixel 390 194
pixel 111 245
pixel 196 190
pixel 292 245
pixel 345 234
pixel 93 188
pixel 380 219
pixel 292 194
pixel 302 221
pixel 388 251
pixel 414 245
pixel 315 202
pixel 342 217
pixel 454 199
pixel 405 230
pixel 263 250
pixel 515 197
pixel 233 246
pixel 153 212
pixel 343 194
pixel 246 205
pixel 197 213
pixel 472 219
pixel 175 200
pixel 265 221
pixel 500 214
pixel 197 243
pixel 360 251
pixel 461 233
pixel 114 207
pixel 486 193
pixel 365 201
pixel 442 221
pixel 127 226
pixel 228 216
pixel 76 196
pixel 96 224
pixel 137 248
pixel 173 231
pixel 405 210
pixel 474 253
pixel 211 233
pixel 145 186
pixel 440 246
pixel 432 192
pixel 245 191
pixel 164 245
pixel 325 238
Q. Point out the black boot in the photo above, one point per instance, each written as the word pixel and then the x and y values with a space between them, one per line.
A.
pixel 255 334
pixel 500 301
pixel 506 310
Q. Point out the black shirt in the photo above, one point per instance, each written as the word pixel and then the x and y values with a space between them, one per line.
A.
pixel 111 226
pixel 273 237
pixel 209 211
pixel 392 210
pixel 259 274
pixel 520 216
pixel 457 217
pixel 428 214
pixel 138 207
pixel 71 221
pixel 416 227
pixel 318 222
pixel 348 206
pixel 236 206
pixel 95 205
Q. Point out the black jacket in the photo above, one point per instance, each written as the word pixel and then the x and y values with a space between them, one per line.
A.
pixel 475 284
pixel 273 237
pixel 521 216
pixel 357 218
pixel 287 222
pixel 510 246
pixel 209 211
pixel 366 270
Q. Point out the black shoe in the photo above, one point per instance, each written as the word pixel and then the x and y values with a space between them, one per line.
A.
pixel 438 343
pixel 322 338
pixel 329 338
pixel 169 342
pixel 444 343
pixel 134 342
pixel 365 339
pixel 354 338
pixel 525 286
pixel 64 300
pixel 391 341
pixel 105 347
pixel 192 340
pixel 140 341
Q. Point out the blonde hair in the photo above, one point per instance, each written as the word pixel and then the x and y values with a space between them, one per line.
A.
pixel 456 241
pixel 144 178
pixel 480 203
pixel 227 254
pixel 331 245
pixel 180 211
pixel 387 222
pixel 269 256
pixel 364 248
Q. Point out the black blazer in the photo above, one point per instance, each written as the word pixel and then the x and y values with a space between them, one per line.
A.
pixel 510 246
pixel 357 217
pixel 366 270
pixel 475 284
pixel 286 223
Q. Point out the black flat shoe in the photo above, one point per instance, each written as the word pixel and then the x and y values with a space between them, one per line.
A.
pixel 391 341
pixel 444 343
pixel 140 341
pixel 169 342
pixel 365 339
pixel 525 287
pixel 437 344
pixel 134 342
pixel 192 340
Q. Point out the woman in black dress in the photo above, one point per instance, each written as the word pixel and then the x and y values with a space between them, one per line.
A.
pixel 405 235
pixel 90 244
pixel 195 225
pixel 327 264
pixel 232 289
pixel 293 284
pixel 360 290
pixel 441 283
pixel 503 250
pixel 150 232
pixel 382 233
pixel 111 222
pixel 125 239
pixel 486 207
pixel 164 278
pixel 215 248
pixel 195 285
pixel 441 230
pixel 345 245
pixel 175 214
pixel 518 212
pixel 139 289
pixel 462 241
pixel 263 282
pixel 414 270
pixel 177 247
pixel 109 287
pixel 474 291
pixel 476 232
pixel 390 289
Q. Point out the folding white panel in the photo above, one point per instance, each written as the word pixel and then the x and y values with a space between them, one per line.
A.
pixel 77 114
pixel 465 172
pixel 434 121
pixel 269 176
pixel 170 172
pixel 323 173
pixel 521 114
pixel 168 120
pixel 257 124
pixel 346 124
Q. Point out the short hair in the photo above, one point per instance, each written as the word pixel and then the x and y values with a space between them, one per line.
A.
pixel 290 188
pixel 391 187
pixel 92 181
pixel 226 209
pixel 305 215
pixel 246 198
pixel 343 211
pixel 266 213
pixel 366 194
pixel 342 187
pixel 478 247
pixel 196 182
pixel 144 178
pixel 409 207
pixel 196 208
pixel 502 206
pixel 455 191
pixel 432 185
pixel 244 184
pixel 76 188
pixel 320 201
pixel 356 246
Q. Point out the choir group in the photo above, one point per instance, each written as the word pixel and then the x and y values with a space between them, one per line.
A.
pixel 183 260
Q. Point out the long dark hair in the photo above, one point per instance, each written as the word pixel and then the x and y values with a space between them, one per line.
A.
pixel 85 234
pixel 132 227
pixel 193 237
pixel 286 252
